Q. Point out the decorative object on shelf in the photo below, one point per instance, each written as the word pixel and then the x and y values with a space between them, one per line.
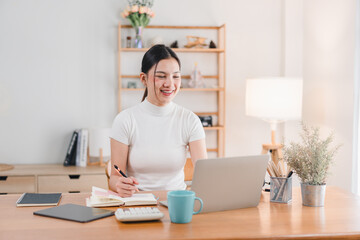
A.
pixel 212 44
pixel 70 158
pixel 156 40
pixel 206 121
pixel 99 146
pixel 174 44
pixel 139 13
pixel 128 42
pixel 197 42
pixel 131 85
pixel 311 161
pixel 138 43
pixel 196 78
pixel 275 100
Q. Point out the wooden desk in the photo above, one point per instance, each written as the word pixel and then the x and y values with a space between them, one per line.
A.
pixel 340 218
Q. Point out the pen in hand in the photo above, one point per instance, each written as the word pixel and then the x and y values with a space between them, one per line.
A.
pixel 123 174
pixel 119 170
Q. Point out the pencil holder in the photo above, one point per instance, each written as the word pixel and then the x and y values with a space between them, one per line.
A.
pixel 280 189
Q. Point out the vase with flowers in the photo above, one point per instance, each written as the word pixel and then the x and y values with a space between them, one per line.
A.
pixel 139 14
pixel 311 160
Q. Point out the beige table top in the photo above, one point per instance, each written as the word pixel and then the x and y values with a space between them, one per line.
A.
pixel 340 218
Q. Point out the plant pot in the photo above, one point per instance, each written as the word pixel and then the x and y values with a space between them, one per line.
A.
pixel 313 195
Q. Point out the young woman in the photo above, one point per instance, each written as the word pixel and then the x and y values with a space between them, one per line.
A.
pixel 149 141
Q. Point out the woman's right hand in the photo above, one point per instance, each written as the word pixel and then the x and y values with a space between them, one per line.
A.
pixel 125 187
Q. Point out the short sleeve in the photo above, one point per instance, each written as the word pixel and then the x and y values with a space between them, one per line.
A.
pixel 196 130
pixel 121 128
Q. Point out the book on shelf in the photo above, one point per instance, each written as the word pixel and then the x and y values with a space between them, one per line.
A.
pixel 81 147
pixel 38 199
pixel 71 151
pixel 106 198
pixel 78 147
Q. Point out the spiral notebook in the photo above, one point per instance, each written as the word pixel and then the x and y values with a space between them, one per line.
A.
pixel 38 199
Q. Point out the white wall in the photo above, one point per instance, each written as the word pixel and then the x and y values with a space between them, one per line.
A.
pixel 57 73
pixel 329 54
pixel 58 68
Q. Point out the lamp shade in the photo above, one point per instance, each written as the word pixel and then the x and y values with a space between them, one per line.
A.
pixel 274 99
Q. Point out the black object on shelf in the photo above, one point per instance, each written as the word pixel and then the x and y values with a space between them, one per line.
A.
pixel 212 44
pixel 71 152
pixel 206 121
pixel 174 45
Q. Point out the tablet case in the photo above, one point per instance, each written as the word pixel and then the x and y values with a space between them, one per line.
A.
pixel 75 213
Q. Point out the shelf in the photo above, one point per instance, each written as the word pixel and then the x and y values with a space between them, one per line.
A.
pixel 212 150
pixel 181 89
pixel 216 80
pixel 182 76
pixel 192 50
pixel 206 113
pixel 214 128
pixel 178 27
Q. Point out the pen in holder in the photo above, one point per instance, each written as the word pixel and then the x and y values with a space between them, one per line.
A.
pixel 281 189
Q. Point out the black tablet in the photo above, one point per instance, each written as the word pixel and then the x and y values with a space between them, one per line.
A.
pixel 75 213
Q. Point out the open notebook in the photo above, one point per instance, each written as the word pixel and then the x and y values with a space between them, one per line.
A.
pixel 106 198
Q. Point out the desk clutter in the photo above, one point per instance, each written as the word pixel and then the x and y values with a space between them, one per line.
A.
pixel 280 181
pixel 106 198
pixel 74 212
pixel 138 214
pixel 267 221
pixel 38 199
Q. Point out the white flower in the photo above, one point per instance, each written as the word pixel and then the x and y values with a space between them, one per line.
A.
pixel 142 9
pixel 135 8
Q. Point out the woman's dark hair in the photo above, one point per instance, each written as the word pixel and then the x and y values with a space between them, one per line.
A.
pixel 153 56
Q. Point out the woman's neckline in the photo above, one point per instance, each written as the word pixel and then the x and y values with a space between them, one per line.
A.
pixel 157 110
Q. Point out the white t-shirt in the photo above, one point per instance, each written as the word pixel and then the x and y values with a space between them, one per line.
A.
pixel 157 138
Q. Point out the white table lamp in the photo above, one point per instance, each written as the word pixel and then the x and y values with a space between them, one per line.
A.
pixel 275 100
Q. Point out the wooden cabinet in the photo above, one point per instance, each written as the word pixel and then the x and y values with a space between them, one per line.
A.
pixel 51 178
pixel 17 184
pixel 218 76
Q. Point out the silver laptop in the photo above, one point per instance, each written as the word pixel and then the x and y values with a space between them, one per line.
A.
pixel 229 183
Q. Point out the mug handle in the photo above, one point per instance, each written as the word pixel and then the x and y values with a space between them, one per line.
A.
pixel 201 205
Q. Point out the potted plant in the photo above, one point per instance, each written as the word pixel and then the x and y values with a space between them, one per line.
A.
pixel 139 14
pixel 311 160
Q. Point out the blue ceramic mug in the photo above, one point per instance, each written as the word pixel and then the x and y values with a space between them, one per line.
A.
pixel 181 205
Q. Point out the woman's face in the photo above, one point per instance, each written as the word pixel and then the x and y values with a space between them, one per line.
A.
pixel 164 84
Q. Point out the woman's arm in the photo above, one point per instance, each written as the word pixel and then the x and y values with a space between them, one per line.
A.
pixel 197 150
pixel 119 156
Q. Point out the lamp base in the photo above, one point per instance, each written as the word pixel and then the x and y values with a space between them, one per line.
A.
pixel 275 150
pixel 276 158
